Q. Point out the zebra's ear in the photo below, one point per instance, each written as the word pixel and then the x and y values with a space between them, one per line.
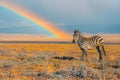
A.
pixel 75 31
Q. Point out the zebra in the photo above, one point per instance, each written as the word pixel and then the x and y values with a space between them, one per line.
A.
pixel 88 44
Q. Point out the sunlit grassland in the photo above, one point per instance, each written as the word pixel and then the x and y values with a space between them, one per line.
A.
pixel 57 61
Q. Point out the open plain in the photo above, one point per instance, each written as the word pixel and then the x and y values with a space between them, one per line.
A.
pixel 57 62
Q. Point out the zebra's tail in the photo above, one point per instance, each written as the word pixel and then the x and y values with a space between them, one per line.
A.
pixel 104 50
pixel 101 41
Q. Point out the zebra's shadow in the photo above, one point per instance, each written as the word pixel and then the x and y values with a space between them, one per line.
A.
pixel 64 58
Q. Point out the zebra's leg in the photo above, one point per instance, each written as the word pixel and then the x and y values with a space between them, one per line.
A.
pixel 100 55
pixel 86 54
pixel 104 50
pixel 82 57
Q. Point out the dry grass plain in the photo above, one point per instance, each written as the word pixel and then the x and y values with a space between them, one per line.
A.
pixel 57 62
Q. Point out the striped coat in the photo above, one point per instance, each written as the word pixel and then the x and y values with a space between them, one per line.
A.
pixel 89 43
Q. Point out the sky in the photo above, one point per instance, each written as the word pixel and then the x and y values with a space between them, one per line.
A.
pixel 88 16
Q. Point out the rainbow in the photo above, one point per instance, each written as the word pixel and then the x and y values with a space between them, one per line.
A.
pixel 35 19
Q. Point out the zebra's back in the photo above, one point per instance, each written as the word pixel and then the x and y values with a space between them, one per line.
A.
pixel 91 42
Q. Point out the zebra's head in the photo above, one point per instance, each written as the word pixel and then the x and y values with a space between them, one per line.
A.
pixel 76 36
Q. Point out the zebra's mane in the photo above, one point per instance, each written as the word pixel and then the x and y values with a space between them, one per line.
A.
pixel 77 31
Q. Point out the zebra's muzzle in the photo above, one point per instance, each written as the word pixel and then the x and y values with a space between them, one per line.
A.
pixel 73 41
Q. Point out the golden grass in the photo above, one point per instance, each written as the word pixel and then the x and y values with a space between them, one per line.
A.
pixel 25 61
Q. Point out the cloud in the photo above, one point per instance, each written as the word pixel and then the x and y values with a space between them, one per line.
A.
pixel 42 37
pixel 89 14
pixel 75 11
pixel 23 37
pixel 67 7
pixel 27 24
